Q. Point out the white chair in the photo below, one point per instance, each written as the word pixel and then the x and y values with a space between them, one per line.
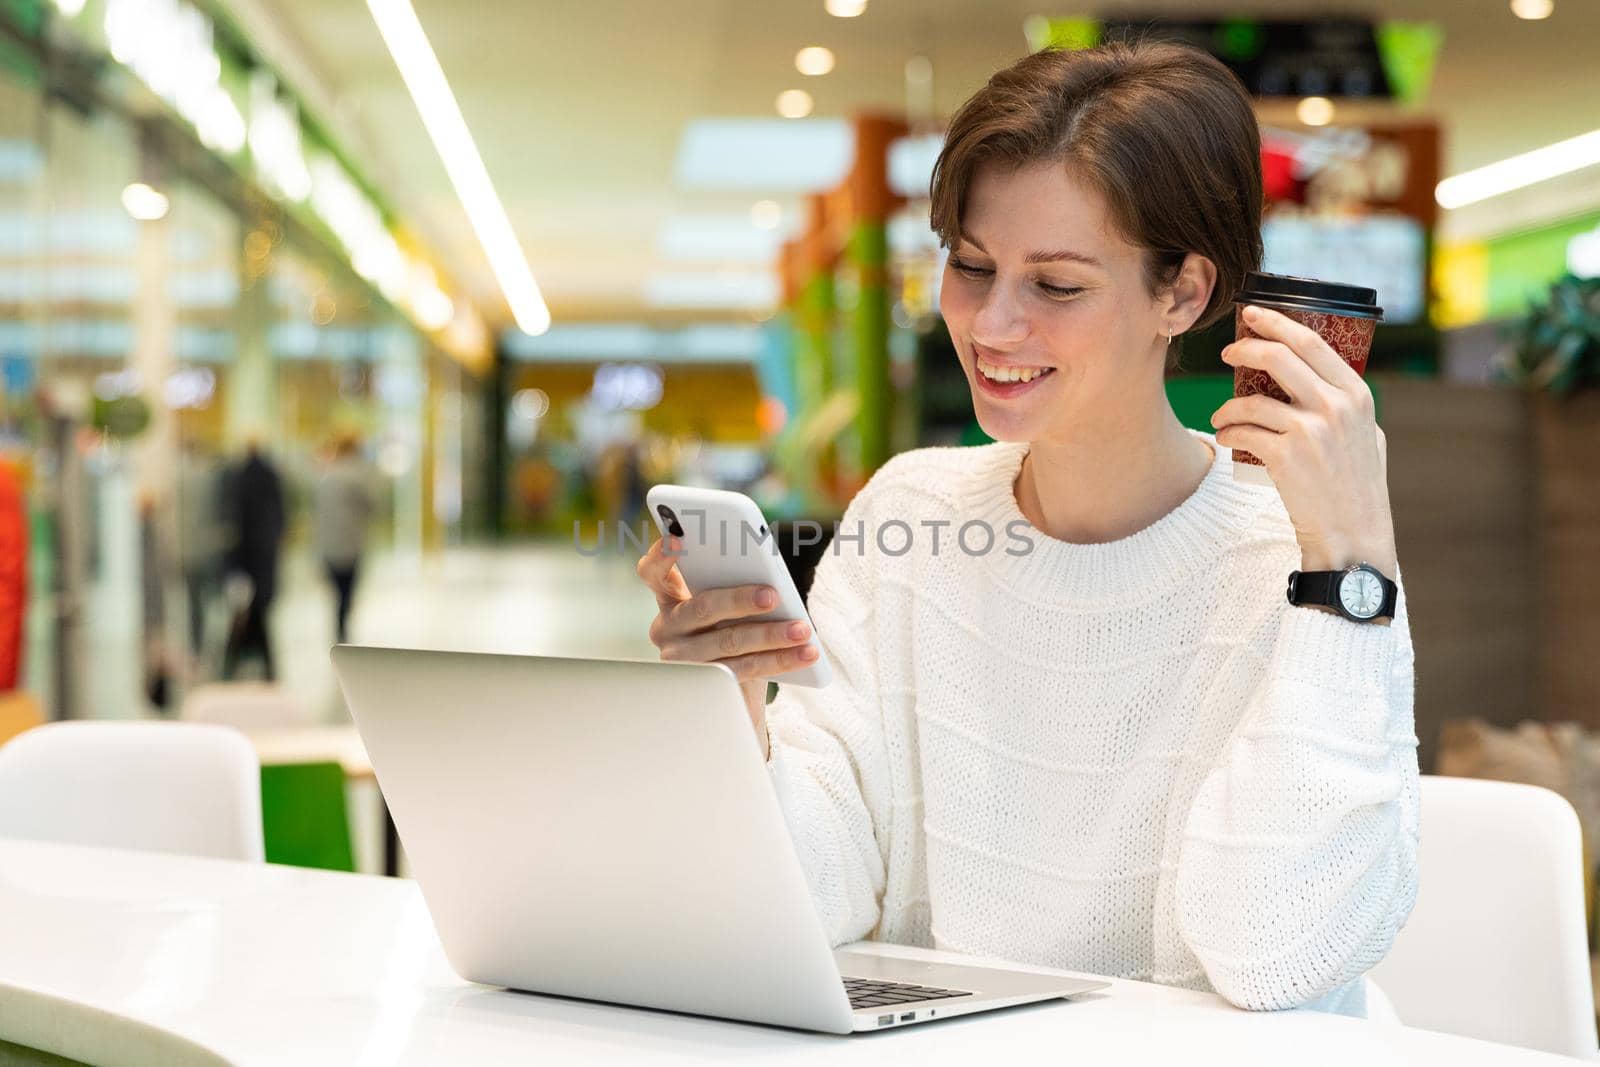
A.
pixel 245 705
pixel 154 786
pixel 1496 947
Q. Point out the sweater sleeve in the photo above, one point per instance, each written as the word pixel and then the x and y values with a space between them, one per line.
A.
pixel 1299 854
pixel 829 764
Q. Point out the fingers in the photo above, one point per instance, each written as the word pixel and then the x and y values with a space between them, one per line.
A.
pixel 659 569
pixel 1264 444
pixel 1291 373
pixel 712 606
pixel 1259 410
pixel 771 664
pixel 736 642
pixel 1305 343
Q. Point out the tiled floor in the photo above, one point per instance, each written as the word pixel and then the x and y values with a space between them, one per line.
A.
pixel 542 598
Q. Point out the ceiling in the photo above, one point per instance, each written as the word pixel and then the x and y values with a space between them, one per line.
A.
pixel 578 106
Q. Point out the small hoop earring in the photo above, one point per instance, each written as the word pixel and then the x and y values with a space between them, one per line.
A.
pixel 1169 337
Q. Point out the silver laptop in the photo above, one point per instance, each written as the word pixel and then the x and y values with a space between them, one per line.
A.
pixel 607 830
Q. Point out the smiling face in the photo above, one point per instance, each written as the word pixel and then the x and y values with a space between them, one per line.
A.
pixel 1048 306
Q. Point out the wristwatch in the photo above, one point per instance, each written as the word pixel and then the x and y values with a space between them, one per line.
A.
pixel 1360 592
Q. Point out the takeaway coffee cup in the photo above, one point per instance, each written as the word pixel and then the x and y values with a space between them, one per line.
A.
pixel 1342 315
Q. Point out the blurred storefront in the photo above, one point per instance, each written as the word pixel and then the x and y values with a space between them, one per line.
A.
pixel 598 412
pixel 187 267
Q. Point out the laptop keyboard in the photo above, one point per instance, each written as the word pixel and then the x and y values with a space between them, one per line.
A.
pixel 870 993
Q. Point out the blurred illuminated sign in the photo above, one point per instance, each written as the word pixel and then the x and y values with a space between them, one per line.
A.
pixel 1461 280
pixel 1335 56
pixel 170 47
pixel 374 253
pixel 711 342
pixel 1353 205
pixel 911 162
pixel 275 139
pixel 1383 252
pixel 1583 254
pixel 190 389
pixel 626 386
pixel 767 154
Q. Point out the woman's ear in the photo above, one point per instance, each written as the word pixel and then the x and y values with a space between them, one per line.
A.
pixel 1190 291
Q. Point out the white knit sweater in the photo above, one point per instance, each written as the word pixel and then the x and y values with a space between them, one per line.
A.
pixel 1132 759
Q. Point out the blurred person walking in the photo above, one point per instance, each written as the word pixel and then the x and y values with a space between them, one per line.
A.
pixel 344 507
pixel 254 508
pixel 154 570
pixel 202 538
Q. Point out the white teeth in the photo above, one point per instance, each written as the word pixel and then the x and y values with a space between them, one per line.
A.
pixel 1010 374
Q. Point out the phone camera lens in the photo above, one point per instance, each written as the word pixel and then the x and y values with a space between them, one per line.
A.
pixel 673 526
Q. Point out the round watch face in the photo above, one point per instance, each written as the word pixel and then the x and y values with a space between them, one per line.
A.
pixel 1361 593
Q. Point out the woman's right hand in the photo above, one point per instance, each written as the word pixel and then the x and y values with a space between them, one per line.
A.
pixel 706 628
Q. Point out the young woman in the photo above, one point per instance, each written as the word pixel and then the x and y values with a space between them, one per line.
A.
pixel 1106 741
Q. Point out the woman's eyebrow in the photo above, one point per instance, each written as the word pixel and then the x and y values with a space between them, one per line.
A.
pixel 1060 254
pixel 1040 257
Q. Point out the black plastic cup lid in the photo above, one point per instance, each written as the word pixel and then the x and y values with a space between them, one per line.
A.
pixel 1309 294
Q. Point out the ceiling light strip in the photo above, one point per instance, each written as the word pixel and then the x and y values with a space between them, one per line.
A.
pixel 1539 165
pixel 441 116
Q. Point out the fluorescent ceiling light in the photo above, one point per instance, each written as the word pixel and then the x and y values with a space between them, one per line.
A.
pixel 1541 164
pixel 768 155
pixel 845 9
pixel 144 203
pixel 794 103
pixel 1532 9
pixel 425 80
pixel 813 61
pixel 1315 111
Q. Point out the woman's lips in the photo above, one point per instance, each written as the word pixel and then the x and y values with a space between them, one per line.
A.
pixel 1002 379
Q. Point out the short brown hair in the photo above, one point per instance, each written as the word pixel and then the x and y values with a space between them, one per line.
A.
pixel 1164 132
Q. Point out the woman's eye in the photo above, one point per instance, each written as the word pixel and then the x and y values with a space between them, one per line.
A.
pixel 961 266
pixel 1059 292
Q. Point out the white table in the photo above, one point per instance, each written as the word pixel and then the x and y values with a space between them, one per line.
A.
pixel 144 959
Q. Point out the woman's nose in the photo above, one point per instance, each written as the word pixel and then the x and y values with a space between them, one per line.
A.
pixel 999 322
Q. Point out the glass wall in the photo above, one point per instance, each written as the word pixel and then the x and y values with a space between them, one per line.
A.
pixel 24 282
pixel 140 357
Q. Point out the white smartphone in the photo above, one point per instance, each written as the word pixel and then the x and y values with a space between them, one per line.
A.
pixel 726 542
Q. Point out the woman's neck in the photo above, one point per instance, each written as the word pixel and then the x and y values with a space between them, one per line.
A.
pixel 1110 484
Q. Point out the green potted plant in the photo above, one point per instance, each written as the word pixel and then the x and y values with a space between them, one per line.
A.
pixel 1556 347
pixel 1554 353
pixel 122 417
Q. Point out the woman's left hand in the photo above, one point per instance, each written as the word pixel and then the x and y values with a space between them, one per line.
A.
pixel 1324 451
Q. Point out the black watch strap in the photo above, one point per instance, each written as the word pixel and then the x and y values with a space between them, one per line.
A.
pixel 1312 588
pixel 1321 588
